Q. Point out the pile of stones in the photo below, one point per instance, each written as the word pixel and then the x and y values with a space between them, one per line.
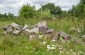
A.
pixel 38 30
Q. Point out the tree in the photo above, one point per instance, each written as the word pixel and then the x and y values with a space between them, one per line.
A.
pixel 56 10
pixel 48 6
pixel 10 15
pixel 52 8
pixel 27 11
pixel 78 11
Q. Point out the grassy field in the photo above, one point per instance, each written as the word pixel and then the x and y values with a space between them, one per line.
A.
pixel 21 45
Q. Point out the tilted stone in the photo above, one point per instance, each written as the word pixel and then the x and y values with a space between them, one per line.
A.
pixel 8 28
pixel 64 35
pixel 16 32
pixel 15 26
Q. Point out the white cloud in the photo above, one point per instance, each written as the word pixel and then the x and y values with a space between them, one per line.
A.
pixel 13 6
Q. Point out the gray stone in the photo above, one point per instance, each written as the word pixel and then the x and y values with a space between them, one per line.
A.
pixel 15 26
pixel 64 35
pixel 8 29
pixel 56 36
pixel 34 30
pixel 49 31
pixel 16 32
pixel 52 36
pixel 25 27
pixel 43 29
pixel 42 24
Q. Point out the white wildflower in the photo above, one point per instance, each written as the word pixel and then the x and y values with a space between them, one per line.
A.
pixel 53 47
pixel 53 40
pixel 44 42
pixel 40 36
pixel 60 48
pixel 68 41
pixel 54 18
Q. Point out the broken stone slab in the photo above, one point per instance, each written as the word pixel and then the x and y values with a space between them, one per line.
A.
pixel 64 35
pixel 34 30
pixel 8 29
pixel 43 29
pixel 15 32
pixel 34 26
pixel 56 36
pixel 15 26
pixel 25 27
pixel 42 24
pixel 49 31
pixel 53 36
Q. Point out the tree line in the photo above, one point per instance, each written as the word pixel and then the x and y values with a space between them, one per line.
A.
pixel 48 11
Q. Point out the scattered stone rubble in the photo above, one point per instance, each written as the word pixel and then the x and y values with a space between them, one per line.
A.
pixel 36 32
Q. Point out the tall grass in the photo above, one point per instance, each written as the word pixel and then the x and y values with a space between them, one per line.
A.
pixel 21 45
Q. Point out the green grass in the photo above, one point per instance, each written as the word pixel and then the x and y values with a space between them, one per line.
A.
pixel 21 45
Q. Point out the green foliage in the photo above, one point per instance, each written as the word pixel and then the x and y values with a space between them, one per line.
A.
pixel 46 15
pixel 52 8
pixel 56 10
pixel 21 45
pixel 48 6
pixel 78 11
pixel 27 11
pixel 10 15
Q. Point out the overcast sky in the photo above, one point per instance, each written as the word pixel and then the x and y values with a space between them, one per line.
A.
pixel 13 6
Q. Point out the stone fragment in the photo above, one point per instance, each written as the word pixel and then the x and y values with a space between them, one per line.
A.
pixel 42 27
pixel 8 29
pixel 64 35
pixel 16 32
pixel 42 24
pixel 16 26
pixel 49 31
pixel 34 30
pixel 25 27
